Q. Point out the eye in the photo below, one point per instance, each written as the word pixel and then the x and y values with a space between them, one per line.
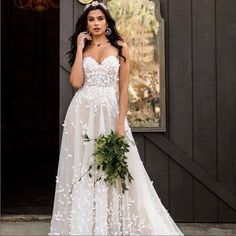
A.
pixel 101 18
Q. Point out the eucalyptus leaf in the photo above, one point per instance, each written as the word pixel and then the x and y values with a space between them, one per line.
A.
pixel 110 158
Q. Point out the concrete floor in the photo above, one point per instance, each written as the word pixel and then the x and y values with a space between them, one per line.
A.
pixel 39 225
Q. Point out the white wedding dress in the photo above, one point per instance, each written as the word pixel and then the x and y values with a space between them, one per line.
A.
pixel 98 209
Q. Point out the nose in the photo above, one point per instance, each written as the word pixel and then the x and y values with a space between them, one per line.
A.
pixel 96 22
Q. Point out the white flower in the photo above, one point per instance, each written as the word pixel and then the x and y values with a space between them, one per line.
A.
pixel 94 4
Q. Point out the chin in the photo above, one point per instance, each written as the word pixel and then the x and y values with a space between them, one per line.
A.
pixel 98 33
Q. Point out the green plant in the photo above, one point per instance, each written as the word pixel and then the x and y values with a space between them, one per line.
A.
pixel 111 159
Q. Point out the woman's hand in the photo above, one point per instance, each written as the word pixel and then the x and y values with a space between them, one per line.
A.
pixel 81 39
pixel 120 129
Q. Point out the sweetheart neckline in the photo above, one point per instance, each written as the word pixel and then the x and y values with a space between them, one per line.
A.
pixel 102 60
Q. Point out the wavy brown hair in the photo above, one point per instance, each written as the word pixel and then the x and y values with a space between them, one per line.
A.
pixel 81 26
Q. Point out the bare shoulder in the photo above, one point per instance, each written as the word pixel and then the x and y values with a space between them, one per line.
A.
pixel 122 43
pixel 125 48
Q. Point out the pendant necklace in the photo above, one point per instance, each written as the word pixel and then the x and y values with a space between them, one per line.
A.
pixel 99 44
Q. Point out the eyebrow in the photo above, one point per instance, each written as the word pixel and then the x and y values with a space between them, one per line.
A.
pixel 97 16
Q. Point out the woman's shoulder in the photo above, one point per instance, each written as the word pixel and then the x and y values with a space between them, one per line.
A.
pixel 124 49
pixel 122 43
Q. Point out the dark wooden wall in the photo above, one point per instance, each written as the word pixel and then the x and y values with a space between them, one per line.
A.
pixel 193 163
pixel 30 108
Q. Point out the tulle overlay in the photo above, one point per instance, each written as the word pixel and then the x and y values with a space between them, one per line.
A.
pixel 82 207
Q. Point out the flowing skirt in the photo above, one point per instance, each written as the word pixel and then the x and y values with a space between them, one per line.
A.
pixel 84 208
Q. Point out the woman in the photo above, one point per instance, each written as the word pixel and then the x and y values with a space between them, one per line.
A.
pixel 100 59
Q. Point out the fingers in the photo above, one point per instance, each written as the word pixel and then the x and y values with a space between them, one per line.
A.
pixel 84 35
pixel 88 36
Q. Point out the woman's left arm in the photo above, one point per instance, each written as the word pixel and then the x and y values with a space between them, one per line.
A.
pixel 124 72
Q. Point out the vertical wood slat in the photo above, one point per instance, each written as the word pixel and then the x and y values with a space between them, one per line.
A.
pixel 204 107
pixel 226 84
pixel 161 176
pixel 77 10
pixel 180 105
pixel 226 214
pixel 157 166
pixel 66 30
pixel 140 142
pixel 226 99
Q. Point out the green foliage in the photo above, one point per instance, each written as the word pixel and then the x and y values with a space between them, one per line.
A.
pixel 111 159
pixel 110 156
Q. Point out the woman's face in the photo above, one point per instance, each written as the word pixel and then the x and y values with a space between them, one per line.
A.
pixel 96 22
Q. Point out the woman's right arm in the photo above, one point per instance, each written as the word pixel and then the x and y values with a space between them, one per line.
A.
pixel 77 73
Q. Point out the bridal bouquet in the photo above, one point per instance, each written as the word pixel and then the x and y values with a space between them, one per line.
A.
pixel 110 157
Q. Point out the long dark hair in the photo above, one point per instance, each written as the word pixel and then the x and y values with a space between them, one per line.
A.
pixel 81 26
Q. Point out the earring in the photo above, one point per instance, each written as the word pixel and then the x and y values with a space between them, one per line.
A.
pixel 108 31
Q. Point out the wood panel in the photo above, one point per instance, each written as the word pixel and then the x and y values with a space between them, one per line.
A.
pixel 140 142
pixel 157 166
pixel 184 161
pixel 66 25
pixel 204 105
pixel 180 105
pixel 226 99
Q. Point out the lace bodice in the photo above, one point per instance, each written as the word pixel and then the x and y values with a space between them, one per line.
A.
pixel 104 74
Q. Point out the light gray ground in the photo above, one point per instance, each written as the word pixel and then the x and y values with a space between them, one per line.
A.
pixel 39 225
